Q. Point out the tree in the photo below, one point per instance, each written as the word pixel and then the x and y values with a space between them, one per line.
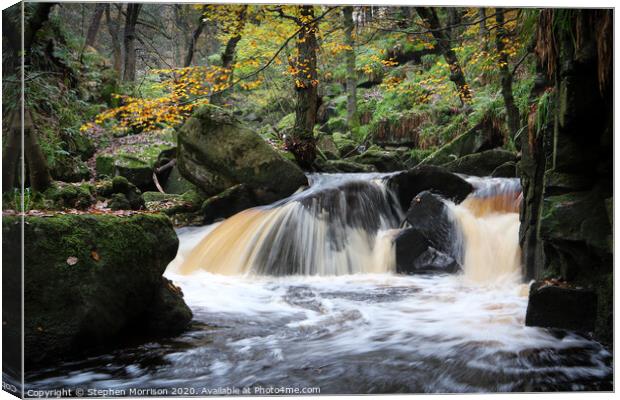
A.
pixel 114 31
pixel 351 82
pixel 129 41
pixel 501 39
pixel 95 21
pixel 191 43
pixel 429 16
pixel 302 142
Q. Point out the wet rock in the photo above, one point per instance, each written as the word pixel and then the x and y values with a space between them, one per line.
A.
pixel 217 152
pixel 89 280
pixel 336 166
pixel 229 202
pixel 481 164
pixel 415 255
pixel 559 307
pixel 409 183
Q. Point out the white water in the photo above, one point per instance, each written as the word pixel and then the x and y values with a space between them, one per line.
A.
pixel 357 333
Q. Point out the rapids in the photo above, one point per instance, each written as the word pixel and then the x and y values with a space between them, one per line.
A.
pixel 275 306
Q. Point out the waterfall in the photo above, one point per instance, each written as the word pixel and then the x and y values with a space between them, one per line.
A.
pixel 489 221
pixel 340 225
pixel 345 224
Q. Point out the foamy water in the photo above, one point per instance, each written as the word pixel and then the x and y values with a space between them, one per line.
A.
pixel 356 333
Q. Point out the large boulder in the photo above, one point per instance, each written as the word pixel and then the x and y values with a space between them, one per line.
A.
pixel 217 152
pixel 91 279
pixel 438 180
pixel 481 164
pixel 553 306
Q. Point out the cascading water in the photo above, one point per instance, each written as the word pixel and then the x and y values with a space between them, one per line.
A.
pixel 302 294
pixel 339 226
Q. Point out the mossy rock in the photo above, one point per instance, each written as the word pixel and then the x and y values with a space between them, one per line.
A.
pixel 176 183
pixel 327 146
pixel 217 152
pixel 383 161
pixel 68 168
pixel 228 203
pixel 336 124
pixel 339 166
pixel 346 145
pixel 66 196
pixel 123 194
pixel 481 164
pixel 89 279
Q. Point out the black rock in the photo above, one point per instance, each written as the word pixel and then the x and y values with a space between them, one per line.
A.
pixel 415 255
pixel 564 308
pixel 481 164
pixel 438 180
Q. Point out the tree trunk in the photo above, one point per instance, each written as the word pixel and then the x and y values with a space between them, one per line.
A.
pixel 93 28
pixel 39 173
pixel 12 151
pixel 484 31
pixel 191 45
pixel 351 82
pixel 512 112
pixel 228 56
pixel 302 142
pixel 429 16
pixel 129 39
pixel 114 30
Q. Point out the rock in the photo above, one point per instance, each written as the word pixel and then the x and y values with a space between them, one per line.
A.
pixel 430 216
pixel 481 164
pixel 559 307
pixel 229 202
pixel 119 201
pixel 123 194
pixel 216 152
pixel 346 145
pixel 328 147
pixel 167 300
pixel 183 209
pixel 176 183
pixel 409 183
pixel 67 168
pixel 337 166
pixel 415 255
pixel 66 195
pixel 384 161
pixel 90 279
pixel 336 124
pixel 484 136
pixel 506 170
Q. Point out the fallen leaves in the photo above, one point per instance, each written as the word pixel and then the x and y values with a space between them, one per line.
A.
pixel 94 255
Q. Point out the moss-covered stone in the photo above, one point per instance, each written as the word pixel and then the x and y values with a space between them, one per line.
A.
pixel 91 278
pixel 345 144
pixel 176 183
pixel 480 164
pixel 217 152
pixel 336 166
pixel 382 160
pixel 327 146
pixel 228 203
pixel 66 195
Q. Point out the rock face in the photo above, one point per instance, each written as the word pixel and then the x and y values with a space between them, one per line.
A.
pixel 558 307
pixel 409 183
pixel 229 202
pixel 92 280
pixel 481 164
pixel 433 242
pixel 566 166
pixel 216 152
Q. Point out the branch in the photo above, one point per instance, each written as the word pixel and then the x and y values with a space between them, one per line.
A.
pixel 518 64
pixel 282 15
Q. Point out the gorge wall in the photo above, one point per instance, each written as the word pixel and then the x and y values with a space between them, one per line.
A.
pixel 566 166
